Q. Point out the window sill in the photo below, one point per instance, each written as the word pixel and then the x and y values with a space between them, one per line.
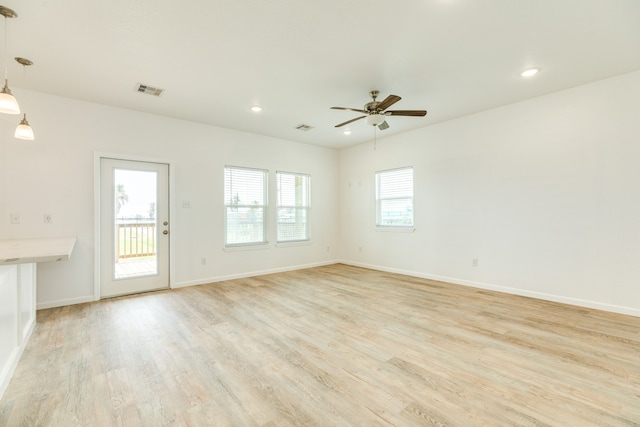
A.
pixel 395 229
pixel 293 244
pixel 240 248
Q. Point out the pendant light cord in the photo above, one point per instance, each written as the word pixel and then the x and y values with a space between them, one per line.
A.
pixel 5 50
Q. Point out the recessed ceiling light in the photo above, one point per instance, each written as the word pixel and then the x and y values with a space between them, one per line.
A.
pixel 347 132
pixel 530 72
pixel 256 108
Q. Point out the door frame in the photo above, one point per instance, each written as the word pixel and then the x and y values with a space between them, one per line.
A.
pixel 97 241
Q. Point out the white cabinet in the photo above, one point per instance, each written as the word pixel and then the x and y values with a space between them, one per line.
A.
pixel 18 260
pixel 17 315
pixel 8 316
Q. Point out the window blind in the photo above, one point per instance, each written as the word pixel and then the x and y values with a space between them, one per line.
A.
pixel 394 197
pixel 245 200
pixel 292 220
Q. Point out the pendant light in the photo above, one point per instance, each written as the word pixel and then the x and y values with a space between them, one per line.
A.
pixel 8 103
pixel 24 131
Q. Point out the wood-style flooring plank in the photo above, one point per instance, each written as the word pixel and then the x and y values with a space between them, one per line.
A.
pixel 327 346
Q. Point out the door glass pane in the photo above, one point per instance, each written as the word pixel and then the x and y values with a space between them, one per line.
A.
pixel 135 228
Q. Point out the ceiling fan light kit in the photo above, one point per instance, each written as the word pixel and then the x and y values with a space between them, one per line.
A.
pixel 375 112
pixel 374 119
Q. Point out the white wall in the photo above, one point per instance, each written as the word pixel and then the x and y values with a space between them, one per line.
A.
pixel 545 193
pixel 55 174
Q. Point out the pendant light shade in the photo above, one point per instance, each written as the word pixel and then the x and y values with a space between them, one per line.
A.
pixel 24 131
pixel 8 103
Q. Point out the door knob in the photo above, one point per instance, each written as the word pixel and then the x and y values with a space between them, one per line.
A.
pixel 165 232
pixel 165 223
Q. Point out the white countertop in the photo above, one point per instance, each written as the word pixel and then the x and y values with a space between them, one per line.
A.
pixel 25 251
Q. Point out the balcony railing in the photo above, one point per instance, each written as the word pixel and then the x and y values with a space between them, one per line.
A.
pixel 135 238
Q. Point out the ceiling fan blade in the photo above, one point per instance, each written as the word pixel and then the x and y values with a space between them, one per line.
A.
pixel 414 113
pixel 349 121
pixel 384 125
pixel 388 102
pixel 349 109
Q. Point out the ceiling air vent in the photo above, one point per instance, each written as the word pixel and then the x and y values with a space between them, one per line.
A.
pixel 304 127
pixel 150 90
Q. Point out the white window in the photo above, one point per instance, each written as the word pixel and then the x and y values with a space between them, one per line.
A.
pixel 293 206
pixel 394 198
pixel 245 200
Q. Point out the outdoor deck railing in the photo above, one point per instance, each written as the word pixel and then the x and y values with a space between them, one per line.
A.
pixel 135 238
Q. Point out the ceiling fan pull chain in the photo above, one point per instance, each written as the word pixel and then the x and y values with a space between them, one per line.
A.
pixel 375 139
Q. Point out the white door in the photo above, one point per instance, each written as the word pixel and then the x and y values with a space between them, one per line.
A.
pixel 134 227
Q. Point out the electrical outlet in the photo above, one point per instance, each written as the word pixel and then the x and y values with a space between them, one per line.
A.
pixel 474 262
pixel 203 261
pixel 15 218
pixel 48 219
pixel 186 204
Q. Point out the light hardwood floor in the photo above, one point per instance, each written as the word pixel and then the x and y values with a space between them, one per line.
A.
pixel 328 346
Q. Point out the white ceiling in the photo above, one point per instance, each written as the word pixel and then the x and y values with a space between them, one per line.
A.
pixel 296 58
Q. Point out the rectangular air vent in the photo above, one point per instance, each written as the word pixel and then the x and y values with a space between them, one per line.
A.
pixel 149 90
pixel 304 127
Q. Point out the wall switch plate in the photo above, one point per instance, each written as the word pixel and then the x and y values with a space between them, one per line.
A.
pixel 48 219
pixel 15 218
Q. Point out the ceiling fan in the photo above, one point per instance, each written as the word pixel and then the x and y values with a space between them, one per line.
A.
pixel 375 112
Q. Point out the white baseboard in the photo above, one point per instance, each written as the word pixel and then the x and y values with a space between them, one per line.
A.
pixel 250 274
pixel 30 328
pixel 509 290
pixel 81 300
pixel 63 302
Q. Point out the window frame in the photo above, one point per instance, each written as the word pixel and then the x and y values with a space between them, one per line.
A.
pixel 264 207
pixel 379 201
pixel 306 207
